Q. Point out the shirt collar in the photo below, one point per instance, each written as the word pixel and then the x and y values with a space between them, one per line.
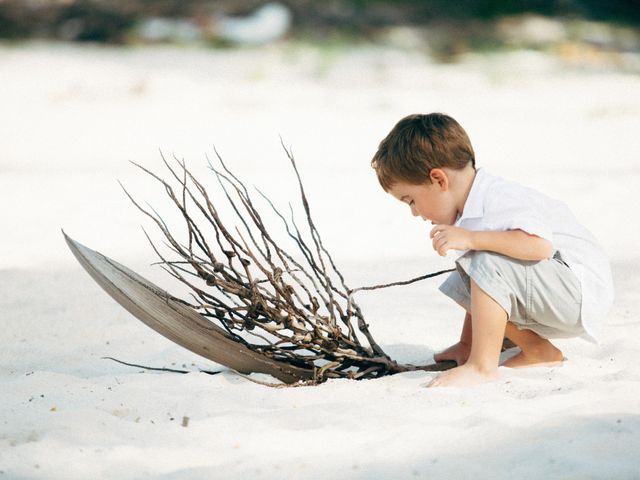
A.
pixel 473 206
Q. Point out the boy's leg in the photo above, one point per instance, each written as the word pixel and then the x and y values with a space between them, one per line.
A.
pixel 459 290
pixel 488 323
pixel 458 352
pixel 535 350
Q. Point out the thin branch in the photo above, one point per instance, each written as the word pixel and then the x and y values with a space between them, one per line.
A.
pixel 404 282
pixel 160 369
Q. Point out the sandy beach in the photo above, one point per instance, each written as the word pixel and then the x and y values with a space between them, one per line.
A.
pixel 73 116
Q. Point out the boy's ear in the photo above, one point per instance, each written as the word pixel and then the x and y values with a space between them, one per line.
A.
pixel 440 178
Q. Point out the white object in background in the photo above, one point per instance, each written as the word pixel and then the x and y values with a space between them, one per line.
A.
pixel 268 23
pixel 159 29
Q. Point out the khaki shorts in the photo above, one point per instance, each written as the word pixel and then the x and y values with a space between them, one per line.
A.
pixel 543 296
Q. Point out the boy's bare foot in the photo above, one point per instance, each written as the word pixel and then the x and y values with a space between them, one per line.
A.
pixel 463 376
pixel 542 355
pixel 459 353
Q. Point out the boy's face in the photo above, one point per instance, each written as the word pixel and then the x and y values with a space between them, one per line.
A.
pixel 430 201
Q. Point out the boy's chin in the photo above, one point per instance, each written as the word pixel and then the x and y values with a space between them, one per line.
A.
pixel 453 219
pixel 442 221
pixel 448 222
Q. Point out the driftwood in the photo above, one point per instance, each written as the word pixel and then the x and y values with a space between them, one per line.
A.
pixel 254 306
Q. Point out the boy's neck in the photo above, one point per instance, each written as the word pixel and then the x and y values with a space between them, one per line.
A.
pixel 461 183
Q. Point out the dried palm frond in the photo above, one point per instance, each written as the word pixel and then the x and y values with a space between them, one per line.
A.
pixel 292 307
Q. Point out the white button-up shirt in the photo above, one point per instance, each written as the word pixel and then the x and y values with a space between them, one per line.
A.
pixel 496 204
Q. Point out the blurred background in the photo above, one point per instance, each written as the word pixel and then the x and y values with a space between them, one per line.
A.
pixel 547 90
pixel 443 29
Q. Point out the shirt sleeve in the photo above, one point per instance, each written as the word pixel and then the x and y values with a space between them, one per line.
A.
pixel 517 210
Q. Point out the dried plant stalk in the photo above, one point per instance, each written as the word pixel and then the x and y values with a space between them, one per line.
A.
pixel 291 308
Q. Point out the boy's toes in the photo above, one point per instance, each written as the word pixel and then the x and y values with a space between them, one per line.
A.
pixel 550 357
pixel 457 353
pixel 465 375
pixel 441 357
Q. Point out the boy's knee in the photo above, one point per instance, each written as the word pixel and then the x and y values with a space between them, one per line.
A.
pixel 455 288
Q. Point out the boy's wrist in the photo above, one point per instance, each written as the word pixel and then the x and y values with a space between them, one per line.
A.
pixel 473 240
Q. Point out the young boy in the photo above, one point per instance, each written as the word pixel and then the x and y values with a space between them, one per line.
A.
pixel 528 270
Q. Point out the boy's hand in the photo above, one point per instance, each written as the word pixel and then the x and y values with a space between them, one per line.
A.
pixel 448 237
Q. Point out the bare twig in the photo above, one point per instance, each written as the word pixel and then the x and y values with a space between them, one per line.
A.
pixel 404 282
pixel 160 369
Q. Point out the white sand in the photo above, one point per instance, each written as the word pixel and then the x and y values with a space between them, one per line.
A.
pixel 70 119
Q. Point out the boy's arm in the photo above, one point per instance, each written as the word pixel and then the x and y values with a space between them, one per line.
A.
pixel 513 243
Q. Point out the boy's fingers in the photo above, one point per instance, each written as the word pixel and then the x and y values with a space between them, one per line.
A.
pixel 435 230
pixel 439 242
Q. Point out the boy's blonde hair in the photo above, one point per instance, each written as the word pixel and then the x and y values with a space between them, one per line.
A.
pixel 418 144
